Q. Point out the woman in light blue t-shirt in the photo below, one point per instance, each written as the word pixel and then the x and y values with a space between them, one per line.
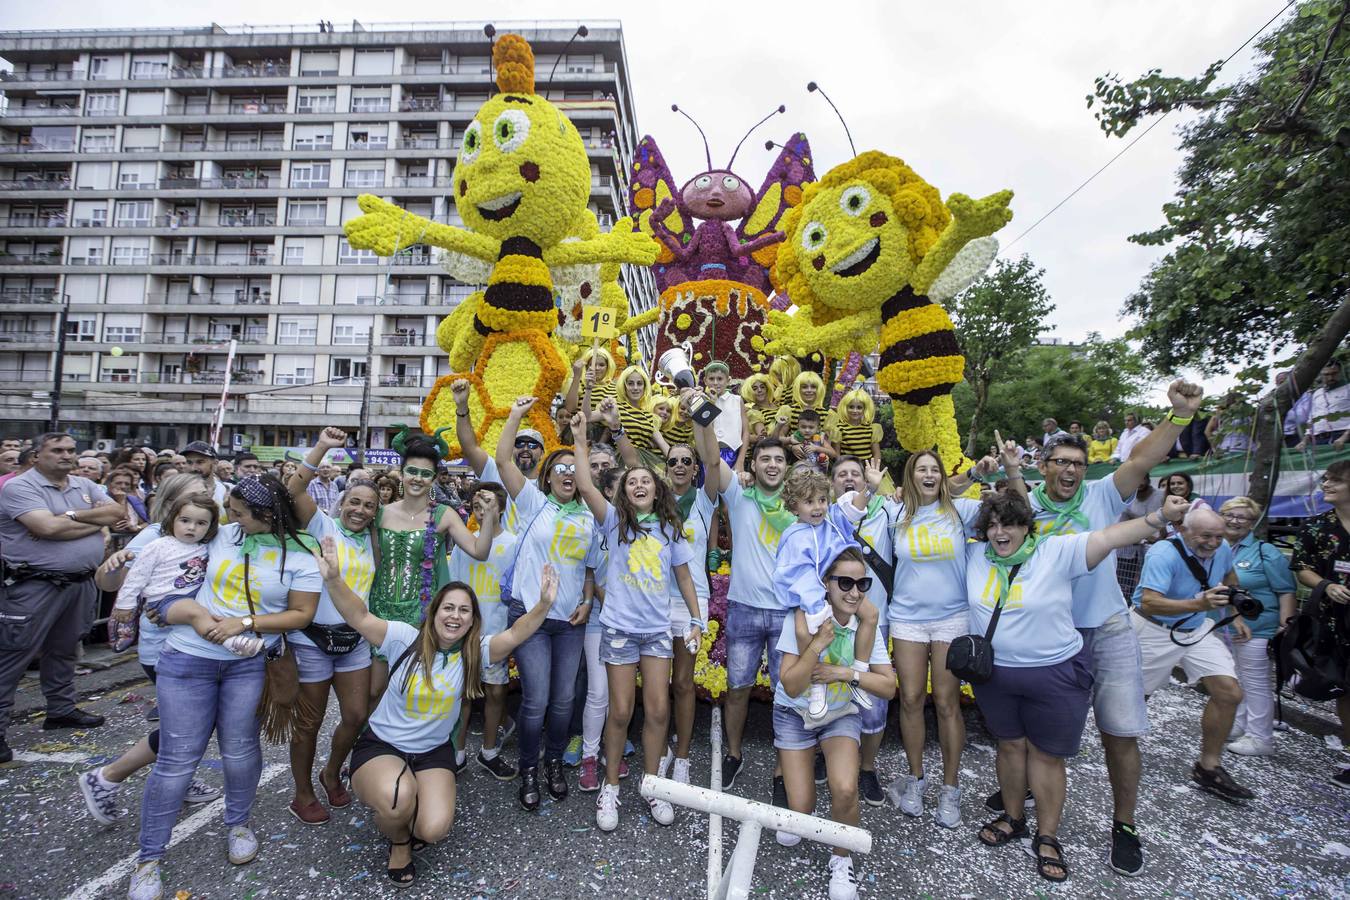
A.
pixel 403 764
pixel 648 554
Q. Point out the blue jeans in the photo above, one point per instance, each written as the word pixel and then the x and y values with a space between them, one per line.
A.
pixel 197 696
pixel 548 662
pixel 750 632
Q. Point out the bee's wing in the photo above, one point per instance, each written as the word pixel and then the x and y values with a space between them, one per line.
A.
pixel 782 188
pixel 968 264
pixel 649 183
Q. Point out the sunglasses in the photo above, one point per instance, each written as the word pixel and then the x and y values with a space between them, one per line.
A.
pixel 416 472
pixel 846 584
pixel 1067 463
pixel 528 443
pixel 680 461
pixel 564 468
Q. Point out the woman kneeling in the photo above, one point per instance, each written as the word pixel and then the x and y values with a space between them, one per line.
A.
pixel 828 660
pixel 403 763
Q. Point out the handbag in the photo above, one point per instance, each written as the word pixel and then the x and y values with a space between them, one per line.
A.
pixel 971 656
pixel 335 640
pixel 281 706
pixel 122 635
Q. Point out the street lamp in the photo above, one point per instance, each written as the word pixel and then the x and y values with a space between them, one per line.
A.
pixel 54 421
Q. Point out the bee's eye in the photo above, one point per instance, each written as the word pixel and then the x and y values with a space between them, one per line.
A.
pixel 510 130
pixel 855 200
pixel 473 143
pixel 731 182
pixel 703 181
pixel 813 236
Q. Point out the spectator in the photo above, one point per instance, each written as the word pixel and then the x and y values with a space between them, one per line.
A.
pixel 1329 409
pixel 225 471
pixel 1075 427
pixel 163 470
pixel 26 458
pixel 51 537
pixel 200 458
pixel 1178 484
pixel 1134 433
pixel 1322 560
pixel 1129 560
pixel 390 488
pixel 1031 453
pixel 443 491
pixel 1193 442
pixel 9 461
pixel 11 443
pixel 1262 571
pixel 1296 418
pixel 1228 430
pixel 90 467
pixel 1050 429
pixel 247 465
pixel 323 490
pixel 1184 578
pixel 1102 447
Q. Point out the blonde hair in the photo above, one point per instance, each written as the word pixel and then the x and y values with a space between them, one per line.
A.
pixel 605 356
pixel 808 378
pixel 859 395
pixel 909 490
pixel 1102 424
pixel 621 392
pixel 783 371
pixel 802 484
pixel 748 389
pixel 1246 503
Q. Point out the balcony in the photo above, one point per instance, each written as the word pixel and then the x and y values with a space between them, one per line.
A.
pixel 307 221
pixel 425 142
pixel 424 104
pixel 233 108
pixel 209 259
pixel 31 146
pixel 29 295
pixel 402 338
pixel 231 146
pixel 247 336
pixel 421 181
pixel 417 257
pixel 229 182
pixel 38 112
pixel 36 184
pixel 362 179
pixel 51 258
pixel 371 105
pixel 215 298
pixel 27 337
pixel 41 220
pixel 44 75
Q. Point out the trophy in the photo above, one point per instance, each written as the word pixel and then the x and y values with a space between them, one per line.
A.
pixel 674 364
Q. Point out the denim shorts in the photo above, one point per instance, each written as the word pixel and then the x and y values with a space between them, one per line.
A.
pixel 1117 677
pixel 623 648
pixel 315 665
pixel 496 673
pixel 750 631
pixel 1047 705
pixel 791 733
pixel 874 719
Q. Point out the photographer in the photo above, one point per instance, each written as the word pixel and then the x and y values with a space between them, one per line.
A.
pixel 1184 579
pixel 1264 573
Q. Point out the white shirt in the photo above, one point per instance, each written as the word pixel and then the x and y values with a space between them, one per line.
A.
pixel 727 426
pixel 1128 439
pixel 1330 409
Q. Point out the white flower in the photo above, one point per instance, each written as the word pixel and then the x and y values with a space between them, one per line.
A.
pixel 969 263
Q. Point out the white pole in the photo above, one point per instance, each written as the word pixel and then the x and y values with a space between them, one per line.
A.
pixel 735 882
pixel 715 821
pixel 218 420
pixel 813 828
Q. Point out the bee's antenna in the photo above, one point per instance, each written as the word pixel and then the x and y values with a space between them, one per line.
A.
pixel 812 87
pixel 581 31
pixel 706 151
pixel 781 109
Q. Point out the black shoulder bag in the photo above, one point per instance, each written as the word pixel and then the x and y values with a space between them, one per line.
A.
pixel 1199 574
pixel 971 656
pixel 880 567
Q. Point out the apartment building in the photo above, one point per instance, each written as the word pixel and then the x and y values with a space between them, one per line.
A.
pixel 176 193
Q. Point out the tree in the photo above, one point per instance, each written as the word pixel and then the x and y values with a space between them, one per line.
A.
pixel 998 319
pixel 1098 379
pixel 1260 227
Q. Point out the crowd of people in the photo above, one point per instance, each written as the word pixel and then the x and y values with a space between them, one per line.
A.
pixel 254 593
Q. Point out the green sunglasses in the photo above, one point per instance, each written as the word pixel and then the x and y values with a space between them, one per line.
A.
pixel 418 472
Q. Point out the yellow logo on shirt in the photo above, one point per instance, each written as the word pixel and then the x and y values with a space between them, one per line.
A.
pixel 645 571
pixel 924 546
pixel 228 585
pixel 357 567
pixel 424 700
pixel 768 535
pixel 570 541
pixel 1047 527
pixel 989 595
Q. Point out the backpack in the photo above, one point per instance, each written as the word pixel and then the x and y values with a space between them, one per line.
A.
pixel 1306 653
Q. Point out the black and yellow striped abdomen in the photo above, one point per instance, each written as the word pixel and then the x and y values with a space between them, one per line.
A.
pixel 920 358
pixel 519 294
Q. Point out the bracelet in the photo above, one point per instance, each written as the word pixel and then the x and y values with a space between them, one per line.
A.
pixel 616 433
pixel 702 625
pixel 1178 420
pixel 463 414
pixel 309 465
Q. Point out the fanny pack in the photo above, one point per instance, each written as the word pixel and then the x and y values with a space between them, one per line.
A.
pixel 971 656
pixel 335 640
pixel 19 572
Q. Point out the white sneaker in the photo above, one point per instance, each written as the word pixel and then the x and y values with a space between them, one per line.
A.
pixel 948 813
pixel 244 645
pixel 201 792
pixel 843 886
pixel 145 882
pixel 607 808
pixel 906 792
pixel 662 812
pixel 1250 746
pixel 787 838
pixel 862 699
pixel 816 707
pixel 1235 732
pixel 100 797
pixel 680 771
pixel 243 845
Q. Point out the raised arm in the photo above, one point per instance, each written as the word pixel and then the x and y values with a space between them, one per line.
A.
pixel 469 447
pixel 346 601
pixel 1123 534
pixel 579 369
pixel 716 471
pixel 512 478
pixel 479 545
pixel 609 415
pixel 599 506
pixel 297 485
pixel 1152 450
pixel 502 643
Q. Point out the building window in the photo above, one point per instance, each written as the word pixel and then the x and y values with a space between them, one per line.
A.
pixel 149 68
pixel 310 174
pixel 132 214
pixel 125 255
pixel 348 256
pixel 97 140
pixel 101 68
pixel 101 103
pixel 122 334
pixel 306 212
pixel 349 370
pixel 370 100
pixel 316 100
pixel 81 329
pixel 349 331
pixel 293 252
pixel 294 369
pixel 365 177
pixel 297 331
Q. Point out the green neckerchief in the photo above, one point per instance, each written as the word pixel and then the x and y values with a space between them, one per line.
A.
pixel 451 651
pixel 841 649
pixel 1002 564
pixel 254 542
pixel 573 507
pixel 1070 510
pixel 771 507
pixel 348 533
pixel 685 503
pixel 644 518
pixel 873 504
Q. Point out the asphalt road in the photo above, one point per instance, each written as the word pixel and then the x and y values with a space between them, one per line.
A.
pixel 1294 840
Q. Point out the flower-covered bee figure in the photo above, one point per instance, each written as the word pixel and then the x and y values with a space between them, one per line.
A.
pixel 521 185
pixel 872 250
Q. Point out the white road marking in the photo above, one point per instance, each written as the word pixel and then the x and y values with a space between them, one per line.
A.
pixel 25 756
pixel 121 870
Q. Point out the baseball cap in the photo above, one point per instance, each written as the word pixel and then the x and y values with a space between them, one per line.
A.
pixel 529 434
pixel 201 448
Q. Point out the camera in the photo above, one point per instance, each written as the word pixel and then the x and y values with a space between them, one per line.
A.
pixel 1246 605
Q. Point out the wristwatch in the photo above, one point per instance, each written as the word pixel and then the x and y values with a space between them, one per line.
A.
pixel 247 622
pixel 70 514
pixel 854 680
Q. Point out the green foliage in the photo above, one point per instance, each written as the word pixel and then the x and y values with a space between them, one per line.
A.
pixel 1259 230
pixel 1098 379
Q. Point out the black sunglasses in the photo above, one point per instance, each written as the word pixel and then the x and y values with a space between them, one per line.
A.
pixel 680 461
pixel 522 443
pixel 847 584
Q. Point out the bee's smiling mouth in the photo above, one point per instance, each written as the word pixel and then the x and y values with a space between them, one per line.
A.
pixel 499 208
pixel 859 261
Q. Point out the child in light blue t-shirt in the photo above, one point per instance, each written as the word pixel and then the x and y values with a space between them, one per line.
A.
pixel 805 551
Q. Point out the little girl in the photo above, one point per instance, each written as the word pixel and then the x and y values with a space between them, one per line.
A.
pixel 173 567
pixel 805 551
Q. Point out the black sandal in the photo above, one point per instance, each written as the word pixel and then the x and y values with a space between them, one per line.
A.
pixel 1001 837
pixel 418 845
pixel 405 876
pixel 1043 861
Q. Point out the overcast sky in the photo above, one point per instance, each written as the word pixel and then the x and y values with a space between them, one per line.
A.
pixel 975 96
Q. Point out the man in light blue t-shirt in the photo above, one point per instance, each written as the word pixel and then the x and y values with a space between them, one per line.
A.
pixel 1065 504
pixel 1183 588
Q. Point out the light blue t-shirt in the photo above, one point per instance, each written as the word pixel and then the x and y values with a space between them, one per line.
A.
pixel 641 573
pixel 1036 627
pixel 491 473
pixel 485 577
pixel 222 594
pixel 570 541
pixel 422 717
pixel 1264 571
pixel 755 545
pixel 696 534
pixel 600 576
pixel 930 561
pixel 1167 573
pixel 1096 596
pixel 837 695
pixel 151 637
pixel 356 563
